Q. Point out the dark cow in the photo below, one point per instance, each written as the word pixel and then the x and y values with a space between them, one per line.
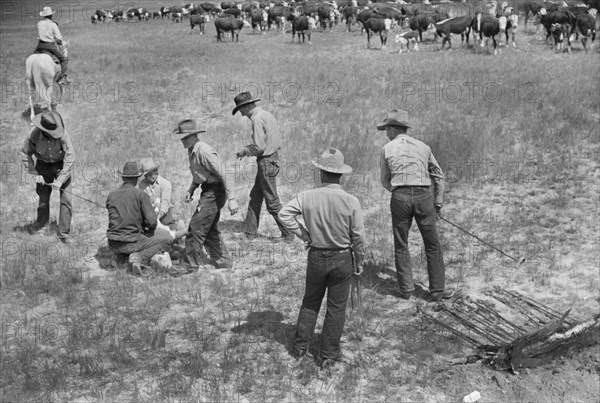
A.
pixel 533 8
pixel 156 15
pixel 586 27
pixel 210 8
pixel 164 12
pixel 99 16
pixel 232 25
pixel 378 25
pixel 279 15
pixel 561 17
pixel 560 32
pixel 421 23
pixel 390 12
pixel 226 5
pixel 457 25
pixel 118 15
pixel 349 15
pixel 259 18
pixel 233 11
pixel 200 20
pixel 303 25
pixel 326 17
pixel 365 15
pixel 486 25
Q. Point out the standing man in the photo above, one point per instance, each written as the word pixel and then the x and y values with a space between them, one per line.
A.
pixel 208 172
pixel 132 222
pixel 407 169
pixel 159 191
pixel 335 235
pixel 266 142
pixel 49 37
pixel 49 142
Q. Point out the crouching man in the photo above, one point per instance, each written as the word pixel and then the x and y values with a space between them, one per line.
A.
pixel 132 222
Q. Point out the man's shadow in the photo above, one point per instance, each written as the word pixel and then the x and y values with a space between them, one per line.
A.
pixel 383 280
pixel 269 324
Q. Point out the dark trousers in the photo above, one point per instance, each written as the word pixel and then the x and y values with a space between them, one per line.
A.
pixel 331 271
pixel 142 250
pixel 406 203
pixel 50 171
pixel 51 47
pixel 203 230
pixel 168 220
pixel 265 188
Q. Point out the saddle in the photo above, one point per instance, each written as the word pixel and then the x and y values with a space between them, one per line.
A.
pixel 54 58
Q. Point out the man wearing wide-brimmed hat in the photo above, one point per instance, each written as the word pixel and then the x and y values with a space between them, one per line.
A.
pixel 335 235
pixel 49 36
pixel 408 168
pixel 159 190
pixel 51 145
pixel 208 173
pixel 266 143
pixel 132 221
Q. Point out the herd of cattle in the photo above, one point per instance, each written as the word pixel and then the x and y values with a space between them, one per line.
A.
pixel 563 21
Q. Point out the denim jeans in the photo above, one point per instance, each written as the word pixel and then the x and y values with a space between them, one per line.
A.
pixel 331 271
pixel 203 230
pixel 50 171
pixel 265 188
pixel 406 203
pixel 142 250
pixel 51 47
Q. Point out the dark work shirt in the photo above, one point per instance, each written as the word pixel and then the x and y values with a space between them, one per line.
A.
pixel 129 213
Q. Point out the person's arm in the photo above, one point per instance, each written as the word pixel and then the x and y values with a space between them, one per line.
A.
pixel 288 215
pixel 357 234
pixel 26 152
pixel 148 215
pixel 259 137
pixel 56 32
pixel 68 159
pixel 165 199
pixel 215 165
pixel 385 174
pixel 438 179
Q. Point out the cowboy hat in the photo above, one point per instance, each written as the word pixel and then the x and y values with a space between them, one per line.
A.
pixel 50 122
pixel 332 160
pixel 46 11
pixel 243 99
pixel 148 165
pixel 186 128
pixel 131 169
pixel 395 117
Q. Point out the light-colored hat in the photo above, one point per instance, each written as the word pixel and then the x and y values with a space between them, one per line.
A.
pixel 332 160
pixel 50 122
pixel 395 117
pixel 131 169
pixel 186 128
pixel 243 99
pixel 148 165
pixel 46 11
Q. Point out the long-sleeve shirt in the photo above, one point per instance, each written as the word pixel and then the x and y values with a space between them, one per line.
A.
pixel 406 161
pixel 48 149
pixel 48 31
pixel 129 213
pixel 333 218
pixel 266 138
pixel 206 166
pixel 159 193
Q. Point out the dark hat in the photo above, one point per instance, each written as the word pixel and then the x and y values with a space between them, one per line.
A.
pixel 186 128
pixel 242 99
pixel 332 160
pixel 148 165
pixel 131 169
pixel 395 117
pixel 50 122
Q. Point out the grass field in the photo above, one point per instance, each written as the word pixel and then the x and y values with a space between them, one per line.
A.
pixel 517 136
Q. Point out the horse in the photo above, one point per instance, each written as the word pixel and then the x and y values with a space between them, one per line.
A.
pixel 41 74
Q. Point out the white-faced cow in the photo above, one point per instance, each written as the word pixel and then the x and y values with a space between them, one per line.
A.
pixel 550 19
pixel 232 25
pixel 378 25
pixel 164 12
pixel 457 25
pixel 303 25
pixel 259 19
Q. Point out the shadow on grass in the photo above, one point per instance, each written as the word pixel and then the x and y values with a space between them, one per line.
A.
pixel 108 260
pixel 381 279
pixel 269 325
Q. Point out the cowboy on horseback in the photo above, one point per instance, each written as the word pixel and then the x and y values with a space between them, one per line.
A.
pixel 49 37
